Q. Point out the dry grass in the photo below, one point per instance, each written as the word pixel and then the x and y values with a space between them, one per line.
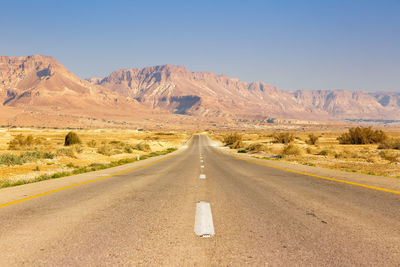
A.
pixel 35 152
pixel 322 148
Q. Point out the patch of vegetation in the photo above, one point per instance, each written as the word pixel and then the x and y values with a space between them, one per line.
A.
pixel 390 156
pixel 12 159
pixel 242 151
pixel 312 139
pixel 91 167
pixel 105 150
pixel 256 147
pixel 231 139
pixel 362 135
pixel 72 139
pixel 66 152
pixel 324 152
pixel 390 144
pixel 92 143
pixel 291 149
pixel 21 141
pixel 283 138
pixel 142 146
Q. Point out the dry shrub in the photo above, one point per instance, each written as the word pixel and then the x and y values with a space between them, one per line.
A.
pixel 21 141
pixel 312 139
pixel 105 150
pixel 291 149
pixel 231 139
pixel 283 138
pixel 390 144
pixel 362 135
pixel 237 144
pixel 142 146
pixel 256 147
pixel 92 143
pixel 71 139
pixel 66 152
pixel 325 152
pixel 390 156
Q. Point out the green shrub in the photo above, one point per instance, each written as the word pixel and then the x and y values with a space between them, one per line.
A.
pixel 291 149
pixel 242 151
pixel 283 138
pixel 312 139
pixel 362 135
pixel 231 139
pixel 71 139
pixel 390 144
pixel 11 159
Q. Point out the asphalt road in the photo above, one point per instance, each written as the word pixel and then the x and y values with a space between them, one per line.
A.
pixel 260 215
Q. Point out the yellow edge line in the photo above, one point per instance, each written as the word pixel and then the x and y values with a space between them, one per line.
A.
pixel 90 181
pixel 316 176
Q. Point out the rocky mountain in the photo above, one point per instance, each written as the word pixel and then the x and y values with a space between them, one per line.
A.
pixel 206 94
pixel 343 104
pixel 37 88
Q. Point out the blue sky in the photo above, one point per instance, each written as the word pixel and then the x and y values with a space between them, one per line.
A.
pixel 352 45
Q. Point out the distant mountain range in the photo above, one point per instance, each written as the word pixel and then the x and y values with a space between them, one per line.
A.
pixel 41 84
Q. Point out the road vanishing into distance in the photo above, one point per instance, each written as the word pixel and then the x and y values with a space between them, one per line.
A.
pixel 201 207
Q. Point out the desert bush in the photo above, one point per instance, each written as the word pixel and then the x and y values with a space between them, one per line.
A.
pixel 242 151
pixel 283 138
pixel 255 147
pixel 324 152
pixel 237 144
pixel 362 135
pixel 232 138
pixel 105 150
pixel 312 139
pixel 21 141
pixel 71 139
pixel 92 143
pixel 390 156
pixel 142 146
pixel 128 149
pixel 66 152
pixel 291 149
pixel 390 144
pixel 78 149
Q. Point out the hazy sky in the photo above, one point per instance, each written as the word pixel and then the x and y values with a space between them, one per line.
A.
pixel 317 44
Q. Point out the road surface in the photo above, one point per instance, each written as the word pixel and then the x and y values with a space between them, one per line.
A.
pixel 252 215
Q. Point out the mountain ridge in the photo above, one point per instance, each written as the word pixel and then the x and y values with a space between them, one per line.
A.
pixel 40 83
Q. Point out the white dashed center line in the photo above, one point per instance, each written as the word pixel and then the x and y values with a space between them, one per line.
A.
pixel 202 176
pixel 203 222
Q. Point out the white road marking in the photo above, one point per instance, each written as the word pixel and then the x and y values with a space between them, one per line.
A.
pixel 203 222
pixel 202 166
pixel 201 160
pixel 202 176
